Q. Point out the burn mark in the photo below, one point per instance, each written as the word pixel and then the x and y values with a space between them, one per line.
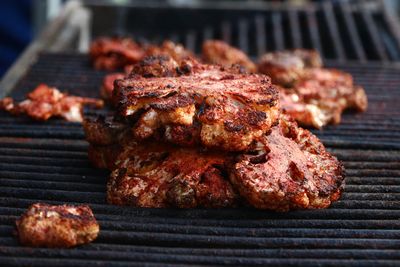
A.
pixel 231 126
pixel 256 117
pixel 263 158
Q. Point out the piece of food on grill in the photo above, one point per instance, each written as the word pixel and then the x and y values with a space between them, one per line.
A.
pixel 288 169
pixel 313 114
pixel 62 226
pixel 228 109
pixel 119 52
pixel 113 53
pixel 221 53
pixel 161 175
pixel 156 66
pixel 321 97
pixel 168 48
pixel 45 102
pixel 324 85
pixel 314 96
pixel 286 67
pixel 150 66
pixel 164 66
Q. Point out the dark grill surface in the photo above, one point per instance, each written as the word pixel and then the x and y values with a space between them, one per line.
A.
pixel 48 162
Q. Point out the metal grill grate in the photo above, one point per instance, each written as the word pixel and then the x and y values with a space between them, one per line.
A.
pixel 48 162
pixel 340 30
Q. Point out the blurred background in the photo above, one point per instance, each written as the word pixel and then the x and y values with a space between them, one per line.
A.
pixel 23 20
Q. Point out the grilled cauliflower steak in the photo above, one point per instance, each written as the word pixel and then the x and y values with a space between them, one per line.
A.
pixel 63 226
pixel 168 48
pixel 321 96
pixel 221 53
pixel 330 85
pixel 114 53
pixel 150 66
pixel 156 66
pixel 119 52
pixel 286 67
pixel 231 109
pixel 289 169
pixel 161 175
pixel 313 95
pixel 45 102
pixel 310 113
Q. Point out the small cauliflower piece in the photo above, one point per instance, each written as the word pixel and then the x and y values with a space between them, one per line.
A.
pixel 63 226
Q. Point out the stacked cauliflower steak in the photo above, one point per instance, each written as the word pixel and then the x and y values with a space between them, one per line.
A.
pixel 186 134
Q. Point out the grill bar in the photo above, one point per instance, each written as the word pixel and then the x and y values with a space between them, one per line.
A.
pixel 190 41
pixel 271 261
pixel 335 254
pixel 374 34
pixel 313 29
pixel 226 30
pixel 333 29
pixel 392 21
pixel 261 37
pixel 295 28
pixel 278 31
pixel 243 35
pixel 208 33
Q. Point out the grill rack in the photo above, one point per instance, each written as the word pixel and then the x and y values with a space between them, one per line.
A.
pixel 48 162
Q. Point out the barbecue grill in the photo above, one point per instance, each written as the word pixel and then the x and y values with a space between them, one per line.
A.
pixel 48 161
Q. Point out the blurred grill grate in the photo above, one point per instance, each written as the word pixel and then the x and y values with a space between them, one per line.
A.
pixel 340 30
pixel 48 162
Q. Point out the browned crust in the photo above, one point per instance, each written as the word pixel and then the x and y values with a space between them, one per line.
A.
pixel 64 226
pixel 160 175
pixel 156 66
pixel 183 135
pixel 253 88
pixel 104 157
pixel 236 107
pixel 103 130
pixel 291 171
